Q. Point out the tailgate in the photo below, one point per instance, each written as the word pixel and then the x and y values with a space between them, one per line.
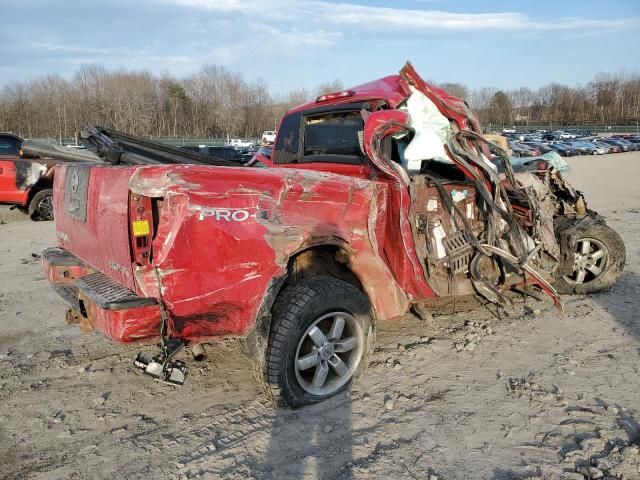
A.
pixel 91 206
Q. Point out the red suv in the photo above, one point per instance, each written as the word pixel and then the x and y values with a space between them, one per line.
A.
pixel 25 182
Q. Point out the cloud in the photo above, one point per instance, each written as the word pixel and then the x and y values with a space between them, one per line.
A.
pixel 217 5
pixel 49 46
pixel 262 41
pixel 285 38
pixel 247 7
pixel 575 23
pixel 268 43
pixel 408 20
pixel 387 18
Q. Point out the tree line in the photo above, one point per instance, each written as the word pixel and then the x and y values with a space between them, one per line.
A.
pixel 609 99
pixel 213 102
pixel 216 102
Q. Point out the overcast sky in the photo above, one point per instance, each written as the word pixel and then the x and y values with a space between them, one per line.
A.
pixel 296 43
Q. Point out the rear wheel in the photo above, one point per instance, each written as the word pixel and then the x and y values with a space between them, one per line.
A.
pixel 598 259
pixel 41 205
pixel 320 341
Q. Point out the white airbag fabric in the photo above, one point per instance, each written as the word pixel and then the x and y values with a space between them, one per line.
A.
pixel 431 131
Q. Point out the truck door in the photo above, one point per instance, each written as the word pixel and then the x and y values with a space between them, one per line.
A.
pixel 9 192
pixel 432 204
pixel 8 189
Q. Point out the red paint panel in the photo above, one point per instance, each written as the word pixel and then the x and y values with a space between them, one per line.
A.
pixel 393 89
pixel 102 241
pixel 224 234
pixel 128 325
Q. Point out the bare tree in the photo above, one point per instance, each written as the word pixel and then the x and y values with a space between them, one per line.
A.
pixel 216 102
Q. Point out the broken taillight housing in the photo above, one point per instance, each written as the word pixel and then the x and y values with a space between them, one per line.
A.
pixel 335 95
pixel 141 228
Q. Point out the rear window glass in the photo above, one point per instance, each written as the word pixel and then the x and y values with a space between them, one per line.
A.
pixel 333 134
pixel 9 146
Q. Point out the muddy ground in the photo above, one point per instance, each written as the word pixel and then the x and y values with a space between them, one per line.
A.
pixel 465 396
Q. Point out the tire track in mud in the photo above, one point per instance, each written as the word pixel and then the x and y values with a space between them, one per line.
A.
pixel 221 427
pixel 591 438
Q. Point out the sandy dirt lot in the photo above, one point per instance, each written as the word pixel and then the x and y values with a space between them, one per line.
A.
pixel 534 395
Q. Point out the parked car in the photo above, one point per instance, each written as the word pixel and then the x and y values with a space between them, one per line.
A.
pixel 594 148
pixel 583 147
pixel 562 135
pixel 240 143
pixel 226 153
pixel 615 141
pixel 534 149
pixel 543 147
pixel 562 149
pixel 360 221
pixel 610 148
pixel 520 150
pixel 268 137
pixel 631 145
pixel 25 183
pixel 573 148
pixel 579 132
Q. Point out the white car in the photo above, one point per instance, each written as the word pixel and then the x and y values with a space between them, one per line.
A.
pixel 239 143
pixel 509 130
pixel 268 137
pixel 564 135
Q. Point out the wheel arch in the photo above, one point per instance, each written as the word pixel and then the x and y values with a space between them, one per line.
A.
pixel 328 256
pixel 43 183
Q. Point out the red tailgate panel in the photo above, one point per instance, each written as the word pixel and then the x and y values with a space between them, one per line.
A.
pixel 102 239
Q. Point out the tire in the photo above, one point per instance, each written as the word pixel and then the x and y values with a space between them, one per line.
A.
pixel 593 274
pixel 308 359
pixel 41 205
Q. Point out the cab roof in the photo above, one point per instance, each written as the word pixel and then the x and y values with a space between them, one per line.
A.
pixel 393 89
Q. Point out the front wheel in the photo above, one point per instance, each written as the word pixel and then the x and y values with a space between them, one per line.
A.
pixel 320 341
pixel 598 259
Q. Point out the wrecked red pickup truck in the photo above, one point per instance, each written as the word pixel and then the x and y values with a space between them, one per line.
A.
pixel 374 200
pixel 25 183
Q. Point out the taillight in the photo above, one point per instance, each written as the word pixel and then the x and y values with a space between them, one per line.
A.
pixel 141 227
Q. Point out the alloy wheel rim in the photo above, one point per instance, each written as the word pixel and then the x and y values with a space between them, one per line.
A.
pixel 329 353
pixel 589 261
pixel 45 208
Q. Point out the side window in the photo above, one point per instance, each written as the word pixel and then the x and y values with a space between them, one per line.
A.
pixel 9 146
pixel 288 140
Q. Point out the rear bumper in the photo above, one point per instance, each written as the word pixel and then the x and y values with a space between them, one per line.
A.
pixel 99 302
